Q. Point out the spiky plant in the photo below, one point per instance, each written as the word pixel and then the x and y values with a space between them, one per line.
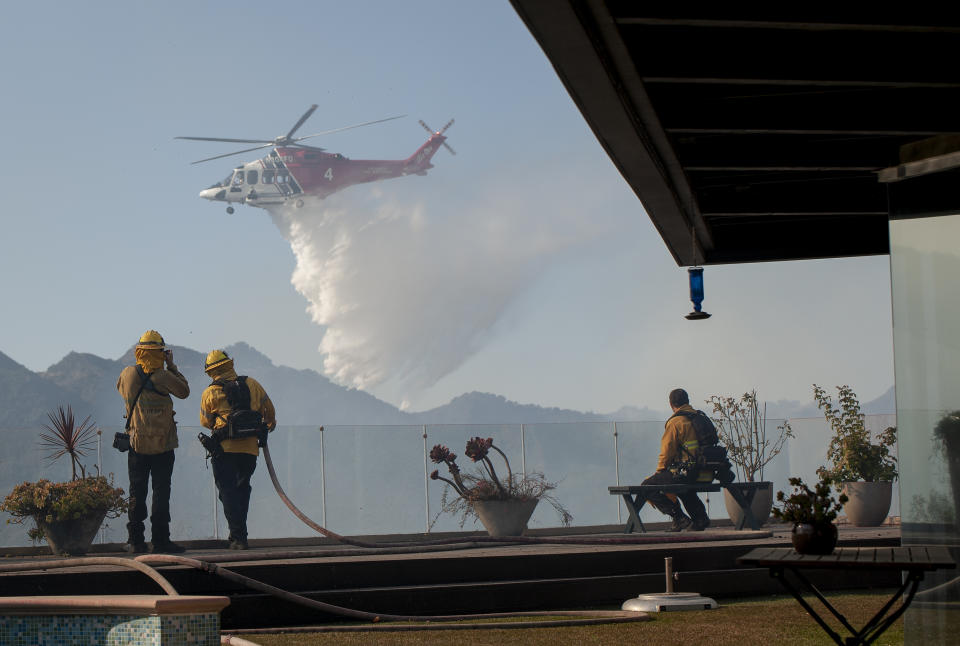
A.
pixel 66 438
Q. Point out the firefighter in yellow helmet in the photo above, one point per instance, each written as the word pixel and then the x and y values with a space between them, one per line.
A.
pixel 146 389
pixel 239 412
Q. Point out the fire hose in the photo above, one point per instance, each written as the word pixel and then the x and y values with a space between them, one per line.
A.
pixel 435 622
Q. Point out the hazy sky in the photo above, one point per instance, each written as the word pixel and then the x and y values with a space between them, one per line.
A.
pixel 522 266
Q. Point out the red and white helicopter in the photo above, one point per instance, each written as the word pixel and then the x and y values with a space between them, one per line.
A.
pixel 293 170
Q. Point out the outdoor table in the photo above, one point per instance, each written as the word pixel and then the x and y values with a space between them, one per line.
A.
pixel 914 560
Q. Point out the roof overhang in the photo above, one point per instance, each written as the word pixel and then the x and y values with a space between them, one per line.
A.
pixel 755 137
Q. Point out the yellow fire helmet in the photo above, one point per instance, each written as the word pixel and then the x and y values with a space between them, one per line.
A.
pixel 215 359
pixel 151 340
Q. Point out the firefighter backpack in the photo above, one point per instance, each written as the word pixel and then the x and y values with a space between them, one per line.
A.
pixel 241 420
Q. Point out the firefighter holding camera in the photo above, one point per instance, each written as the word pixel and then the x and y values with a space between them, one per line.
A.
pixel 150 437
pixel 239 413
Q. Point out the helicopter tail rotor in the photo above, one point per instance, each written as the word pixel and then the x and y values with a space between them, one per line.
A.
pixel 440 132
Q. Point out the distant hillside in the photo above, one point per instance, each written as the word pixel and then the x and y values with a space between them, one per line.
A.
pixel 486 408
pixel 25 397
pixel 302 397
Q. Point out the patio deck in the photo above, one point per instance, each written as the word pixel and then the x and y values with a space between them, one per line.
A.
pixel 478 578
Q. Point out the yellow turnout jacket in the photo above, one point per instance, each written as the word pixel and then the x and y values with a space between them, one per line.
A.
pixel 214 409
pixel 678 434
pixel 152 427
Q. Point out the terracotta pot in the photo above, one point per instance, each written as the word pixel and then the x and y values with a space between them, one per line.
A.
pixel 74 536
pixel 868 504
pixel 808 538
pixel 505 517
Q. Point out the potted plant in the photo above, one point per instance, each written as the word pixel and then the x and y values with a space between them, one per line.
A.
pixel 742 428
pixel 502 504
pixel 812 514
pixel 68 514
pixel 865 471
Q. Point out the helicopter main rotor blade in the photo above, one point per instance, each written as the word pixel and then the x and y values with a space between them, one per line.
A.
pixel 234 141
pixel 200 161
pixel 358 125
pixel 306 115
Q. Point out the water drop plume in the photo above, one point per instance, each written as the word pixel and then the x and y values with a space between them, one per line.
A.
pixel 408 291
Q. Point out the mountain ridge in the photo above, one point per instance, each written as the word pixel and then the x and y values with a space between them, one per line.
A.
pixel 302 397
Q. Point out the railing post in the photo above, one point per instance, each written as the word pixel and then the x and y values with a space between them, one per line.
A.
pixel 216 508
pixel 616 462
pixel 426 481
pixel 523 450
pixel 103 529
pixel 323 483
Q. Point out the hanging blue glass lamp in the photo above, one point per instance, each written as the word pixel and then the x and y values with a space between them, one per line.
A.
pixel 696 294
pixel 696 283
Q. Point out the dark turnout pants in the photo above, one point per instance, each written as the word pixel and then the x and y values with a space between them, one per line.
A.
pixel 142 468
pixel 691 501
pixel 232 473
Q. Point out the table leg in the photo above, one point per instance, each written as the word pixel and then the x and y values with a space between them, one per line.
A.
pixel 877 625
pixel 778 574
pixel 633 507
pixel 873 628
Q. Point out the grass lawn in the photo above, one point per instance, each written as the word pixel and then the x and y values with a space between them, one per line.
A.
pixel 763 621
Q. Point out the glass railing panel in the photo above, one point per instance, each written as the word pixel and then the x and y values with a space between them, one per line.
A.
pixel 581 460
pixel 22 461
pixel 370 479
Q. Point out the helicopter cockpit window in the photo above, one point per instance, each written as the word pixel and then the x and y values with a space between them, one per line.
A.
pixel 226 181
pixel 267 177
pixel 251 177
pixel 237 178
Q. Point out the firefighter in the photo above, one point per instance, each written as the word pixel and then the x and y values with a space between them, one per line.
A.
pixel 678 442
pixel 232 404
pixel 146 389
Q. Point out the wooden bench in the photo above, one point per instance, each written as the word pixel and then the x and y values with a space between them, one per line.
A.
pixel 636 496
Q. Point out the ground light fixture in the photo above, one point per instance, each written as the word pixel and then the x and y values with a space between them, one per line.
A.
pixel 696 294
pixel 669 601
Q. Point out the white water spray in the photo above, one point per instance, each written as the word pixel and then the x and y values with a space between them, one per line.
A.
pixel 407 292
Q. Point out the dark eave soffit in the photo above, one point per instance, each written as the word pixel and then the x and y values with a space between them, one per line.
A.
pixel 763 133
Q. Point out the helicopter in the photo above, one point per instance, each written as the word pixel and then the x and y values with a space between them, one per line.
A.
pixel 293 171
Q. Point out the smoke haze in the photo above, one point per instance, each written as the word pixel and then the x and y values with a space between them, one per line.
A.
pixel 407 290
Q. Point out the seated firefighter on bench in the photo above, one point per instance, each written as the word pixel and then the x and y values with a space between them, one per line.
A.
pixel 688 455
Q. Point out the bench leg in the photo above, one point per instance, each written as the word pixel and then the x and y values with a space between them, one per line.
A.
pixel 634 504
pixel 744 498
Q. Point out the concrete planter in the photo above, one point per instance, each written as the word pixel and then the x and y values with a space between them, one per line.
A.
pixel 761 505
pixel 869 502
pixel 74 536
pixel 505 517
